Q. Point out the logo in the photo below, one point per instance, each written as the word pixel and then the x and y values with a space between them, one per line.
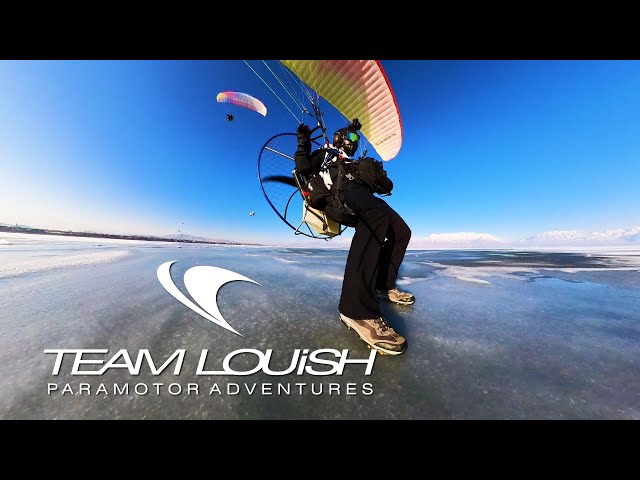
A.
pixel 202 283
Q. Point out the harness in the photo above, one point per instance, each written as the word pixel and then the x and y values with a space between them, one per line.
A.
pixel 325 201
pixel 334 159
pixel 338 208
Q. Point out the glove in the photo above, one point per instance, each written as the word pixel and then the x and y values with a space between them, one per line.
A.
pixel 304 135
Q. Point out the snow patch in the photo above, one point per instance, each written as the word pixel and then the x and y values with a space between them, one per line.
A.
pixel 285 260
pixel 39 265
pixel 37 239
pixel 330 276
pixel 409 280
pixel 473 280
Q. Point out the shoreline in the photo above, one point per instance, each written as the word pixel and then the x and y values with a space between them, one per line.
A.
pixel 113 236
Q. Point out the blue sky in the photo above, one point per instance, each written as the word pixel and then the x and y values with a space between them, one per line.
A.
pixel 509 148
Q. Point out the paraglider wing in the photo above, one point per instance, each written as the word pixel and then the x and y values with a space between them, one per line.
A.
pixel 357 88
pixel 242 100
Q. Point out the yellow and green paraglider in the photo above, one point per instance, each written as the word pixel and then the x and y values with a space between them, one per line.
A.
pixel 358 90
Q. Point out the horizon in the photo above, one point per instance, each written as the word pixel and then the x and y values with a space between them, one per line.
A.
pixel 503 148
pixel 445 241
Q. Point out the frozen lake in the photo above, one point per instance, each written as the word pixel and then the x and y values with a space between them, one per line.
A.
pixel 492 335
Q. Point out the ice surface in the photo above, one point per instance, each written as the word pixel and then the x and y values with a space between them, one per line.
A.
pixel 493 334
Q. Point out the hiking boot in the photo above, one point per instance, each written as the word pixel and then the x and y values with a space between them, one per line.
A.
pixel 377 334
pixel 396 295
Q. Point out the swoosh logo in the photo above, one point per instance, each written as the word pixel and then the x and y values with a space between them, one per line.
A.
pixel 202 283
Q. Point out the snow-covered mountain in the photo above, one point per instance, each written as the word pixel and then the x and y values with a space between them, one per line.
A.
pixel 557 238
pixel 616 237
pixel 458 240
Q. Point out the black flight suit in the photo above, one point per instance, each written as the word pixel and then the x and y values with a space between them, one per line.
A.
pixel 378 247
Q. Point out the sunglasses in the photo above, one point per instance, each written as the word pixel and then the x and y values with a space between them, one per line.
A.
pixel 352 137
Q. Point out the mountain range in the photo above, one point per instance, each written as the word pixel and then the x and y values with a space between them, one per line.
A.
pixel 186 237
pixel 557 238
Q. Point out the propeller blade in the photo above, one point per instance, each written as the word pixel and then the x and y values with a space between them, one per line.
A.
pixel 281 179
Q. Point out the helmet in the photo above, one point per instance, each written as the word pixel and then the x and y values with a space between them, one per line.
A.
pixel 347 140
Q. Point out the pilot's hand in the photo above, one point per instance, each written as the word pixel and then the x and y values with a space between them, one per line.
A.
pixel 304 134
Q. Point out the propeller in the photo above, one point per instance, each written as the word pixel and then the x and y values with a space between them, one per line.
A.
pixel 281 179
